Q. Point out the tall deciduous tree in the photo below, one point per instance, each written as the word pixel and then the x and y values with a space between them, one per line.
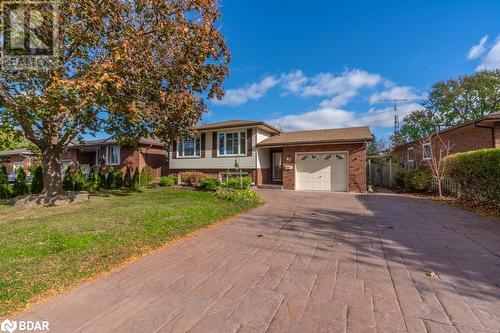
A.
pixel 132 68
pixel 452 102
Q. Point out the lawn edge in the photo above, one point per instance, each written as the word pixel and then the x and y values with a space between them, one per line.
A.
pixel 54 293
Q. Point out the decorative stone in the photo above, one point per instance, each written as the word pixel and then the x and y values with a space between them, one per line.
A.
pixel 43 200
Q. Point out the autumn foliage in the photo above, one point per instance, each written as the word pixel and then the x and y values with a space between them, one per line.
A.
pixel 132 68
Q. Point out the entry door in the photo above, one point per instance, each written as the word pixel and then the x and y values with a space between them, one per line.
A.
pixel 322 172
pixel 277 166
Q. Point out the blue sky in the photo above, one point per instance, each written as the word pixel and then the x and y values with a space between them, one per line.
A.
pixel 324 64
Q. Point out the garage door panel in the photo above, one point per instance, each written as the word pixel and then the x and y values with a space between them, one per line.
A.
pixel 324 172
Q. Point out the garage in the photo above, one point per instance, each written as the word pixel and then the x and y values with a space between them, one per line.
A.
pixel 321 171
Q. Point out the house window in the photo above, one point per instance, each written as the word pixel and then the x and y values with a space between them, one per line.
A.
pixel 410 155
pixel 233 143
pixel 188 147
pixel 17 165
pixel 426 151
pixel 113 155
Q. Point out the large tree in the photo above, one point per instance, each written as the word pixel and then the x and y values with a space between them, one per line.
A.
pixel 132 68
pixel 452 102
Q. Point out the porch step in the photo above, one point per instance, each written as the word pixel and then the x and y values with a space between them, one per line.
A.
pixel 270 187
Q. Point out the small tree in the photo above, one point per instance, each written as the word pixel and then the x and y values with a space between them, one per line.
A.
pixel 4 177
pixel 37 183
pixel 80 184
pixel 127 180
pixel 69 181
pixel 20 186
pixel 118 178
pixel 135 178
pixel 435 150
pixel 101 179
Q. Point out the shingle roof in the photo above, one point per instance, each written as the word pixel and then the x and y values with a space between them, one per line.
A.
pixel 235 123
pixel 20 151
pixel 320 136
pixel 108 141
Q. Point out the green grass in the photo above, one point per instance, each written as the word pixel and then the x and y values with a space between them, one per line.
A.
pixel 44 249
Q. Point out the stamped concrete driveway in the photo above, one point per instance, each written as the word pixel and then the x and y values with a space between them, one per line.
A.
pixel 306 262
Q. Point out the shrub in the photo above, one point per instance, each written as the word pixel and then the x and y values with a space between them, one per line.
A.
pixel 146 176
pixel 237 184
pixel 110 180
pixel 79 182
pixel 68 180
pixel 118 178
pixel 101 179
pixel 4 177
pixel 210 184
pixel 192 178
pixel 154 183
pixel 241 196
pixel 168 181
pixel 418 180
pixel 37 183
pixel 5 191
pixel 135 177
pixel 93 181
pixel 127 179
pixel 477 174
pixel 20 186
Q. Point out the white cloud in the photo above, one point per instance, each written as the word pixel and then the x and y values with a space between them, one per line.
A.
pixel 492 59
pixel 478 50
pixel 395 92
pixel 255 91
pixel 340 88
pixel 317 119
pixel 336 118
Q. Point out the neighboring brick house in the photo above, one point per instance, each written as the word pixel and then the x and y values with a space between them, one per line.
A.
pixel 109 153
pixel 472 135
pixel 99 153
pixel 17 158
pixel 325 160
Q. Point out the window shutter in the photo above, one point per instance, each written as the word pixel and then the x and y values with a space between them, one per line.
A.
pixel 249 142
pixel 202 145
pixel 214 144
pixel 174 149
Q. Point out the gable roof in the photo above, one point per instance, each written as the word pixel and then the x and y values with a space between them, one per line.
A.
pixel 19 151
pixel 334 135
pixel 489 119
pixel 236 123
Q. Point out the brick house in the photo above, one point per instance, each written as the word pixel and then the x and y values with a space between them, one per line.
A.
pixel 17 158
pixel 325 160
pixel 472 135
pixel 100 153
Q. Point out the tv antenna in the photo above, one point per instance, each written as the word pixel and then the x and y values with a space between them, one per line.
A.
pixel 395 102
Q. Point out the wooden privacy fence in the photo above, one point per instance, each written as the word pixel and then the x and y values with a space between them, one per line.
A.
pixel 381 171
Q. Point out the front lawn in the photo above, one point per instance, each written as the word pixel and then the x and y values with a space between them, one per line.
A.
pixel 47 249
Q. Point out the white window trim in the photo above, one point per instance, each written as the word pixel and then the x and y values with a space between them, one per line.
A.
pixel 423 152
pixel 242 132
pixel 189 156
pixel 118 157
pixel 408 155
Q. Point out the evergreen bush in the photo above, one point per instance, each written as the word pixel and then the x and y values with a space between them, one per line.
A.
pixel 20 185
pixel 37 182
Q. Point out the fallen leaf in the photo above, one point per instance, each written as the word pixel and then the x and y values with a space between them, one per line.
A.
pixel 432 275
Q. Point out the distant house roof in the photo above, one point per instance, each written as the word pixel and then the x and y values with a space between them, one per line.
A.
pixel 236 123
pixel 487 121
pixel 111 141
pixel 334 135
pixel 20 151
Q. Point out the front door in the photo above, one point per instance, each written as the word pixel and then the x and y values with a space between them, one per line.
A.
pixel 277 166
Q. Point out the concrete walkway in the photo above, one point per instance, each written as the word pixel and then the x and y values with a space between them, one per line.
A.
pixel 306 262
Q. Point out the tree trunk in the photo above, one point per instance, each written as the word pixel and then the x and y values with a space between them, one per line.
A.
pixel 52 182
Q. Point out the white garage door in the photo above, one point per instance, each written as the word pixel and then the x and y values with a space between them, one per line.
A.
pixel 322 172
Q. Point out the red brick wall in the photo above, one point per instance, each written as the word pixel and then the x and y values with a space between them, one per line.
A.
pixel 464 139
pixel 356 163
pixel 263 176
pixel 27 162
pixel 497 135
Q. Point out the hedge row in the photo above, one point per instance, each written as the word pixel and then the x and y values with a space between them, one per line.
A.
pixel 478 175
